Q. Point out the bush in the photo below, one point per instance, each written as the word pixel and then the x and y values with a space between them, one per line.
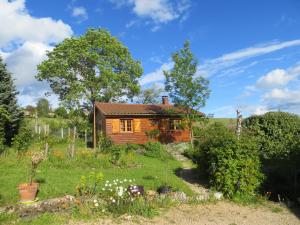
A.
pixel 23 139
pixel 276 132
pixel 156 150
pixel 233 165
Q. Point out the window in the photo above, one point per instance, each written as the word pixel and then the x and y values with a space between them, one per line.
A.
pixel 175 124
pixel 126 126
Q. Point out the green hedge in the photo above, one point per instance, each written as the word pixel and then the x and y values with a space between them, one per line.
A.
pixel 276 133
pixel 232 165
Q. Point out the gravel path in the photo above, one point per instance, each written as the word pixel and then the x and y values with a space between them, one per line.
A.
pixel 220 213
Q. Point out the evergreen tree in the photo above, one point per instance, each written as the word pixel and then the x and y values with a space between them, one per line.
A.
pixel 8 102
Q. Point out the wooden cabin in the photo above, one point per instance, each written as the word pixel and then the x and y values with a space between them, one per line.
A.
pixel 139 123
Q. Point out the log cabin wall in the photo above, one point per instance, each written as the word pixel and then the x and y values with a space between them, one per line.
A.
pixel 141 126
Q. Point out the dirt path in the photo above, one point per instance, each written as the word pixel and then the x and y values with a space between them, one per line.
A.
pixel 220 213
pixel 189 172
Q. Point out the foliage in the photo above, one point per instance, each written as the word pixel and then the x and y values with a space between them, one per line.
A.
pixel 4 117
pixel 93 67
pixel 36 159
pixel 156 150
pixel 104 143
pixel 150 95
pixel 185 88
pixel 61 112
pixel 8 102
pixel 233 165
pixel 43 107
pixel 89 184
pixel 121 155
pixel 276 132
pixel 115 197
pixel 24 138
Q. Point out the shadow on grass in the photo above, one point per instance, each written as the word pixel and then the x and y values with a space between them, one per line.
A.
pixel 192 176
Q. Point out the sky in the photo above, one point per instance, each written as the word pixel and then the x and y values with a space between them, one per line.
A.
pixel 248 49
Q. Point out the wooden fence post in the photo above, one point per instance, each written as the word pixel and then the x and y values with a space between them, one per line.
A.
pixel 73 142
pixel 238 123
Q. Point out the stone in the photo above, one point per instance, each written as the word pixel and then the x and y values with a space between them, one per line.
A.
pixel 218 195
pixel 178 196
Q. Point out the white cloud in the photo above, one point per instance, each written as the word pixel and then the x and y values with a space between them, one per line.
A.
pixel 24 41
pixel 80 12
pixel 258 50
pixel 23 61
pixel 157 75
pixel 283 96
pixel 221 64
pixel 159 11
pixel 275 78
pixel 17 25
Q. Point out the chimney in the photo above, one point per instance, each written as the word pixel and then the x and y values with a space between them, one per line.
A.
pixel 165 100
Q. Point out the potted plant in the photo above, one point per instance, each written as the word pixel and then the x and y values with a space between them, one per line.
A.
pixel 29 190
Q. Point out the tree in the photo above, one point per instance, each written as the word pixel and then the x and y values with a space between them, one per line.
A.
pixel 93 67
pixel 185 87
pixel 61 112
pixel 150 95
pixel 8 103
pixel 43 107
pixel 4 117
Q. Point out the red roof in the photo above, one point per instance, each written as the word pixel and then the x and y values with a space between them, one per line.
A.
pixel 138 109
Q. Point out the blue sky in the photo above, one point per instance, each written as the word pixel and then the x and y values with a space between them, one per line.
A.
pixel 248 49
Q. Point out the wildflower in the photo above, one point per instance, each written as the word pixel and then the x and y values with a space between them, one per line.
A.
pixel 103 189
pixel 125 180
pixel 95 201
pixel 113 200
pixel 103 210
pixel 106 185
pixel 96 204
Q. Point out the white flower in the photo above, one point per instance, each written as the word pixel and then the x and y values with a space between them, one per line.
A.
pixel 95 201
pixel 103 189
pixel 130 180
pixel 96 204
pixel 106 185
pixel 113 200
pixel 138 193
pixel 103 210
pixel 109 185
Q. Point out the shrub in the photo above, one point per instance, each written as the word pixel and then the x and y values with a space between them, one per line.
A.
pixel 23 139
pixel 156 150
pixel 276 132
pixel 233 165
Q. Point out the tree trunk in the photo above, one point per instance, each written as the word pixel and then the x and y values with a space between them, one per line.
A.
pixel 36 123
pixel 62 133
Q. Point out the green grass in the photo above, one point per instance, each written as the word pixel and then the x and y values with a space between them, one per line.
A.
pixel 60 176
pixel 225 121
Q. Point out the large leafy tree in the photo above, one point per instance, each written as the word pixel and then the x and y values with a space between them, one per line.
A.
pixel 93 67
pixel 8 104
pixel 43 107
pixel 185 86
pixel 150 95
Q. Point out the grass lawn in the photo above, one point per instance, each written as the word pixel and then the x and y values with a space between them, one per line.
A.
pixel 60 174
